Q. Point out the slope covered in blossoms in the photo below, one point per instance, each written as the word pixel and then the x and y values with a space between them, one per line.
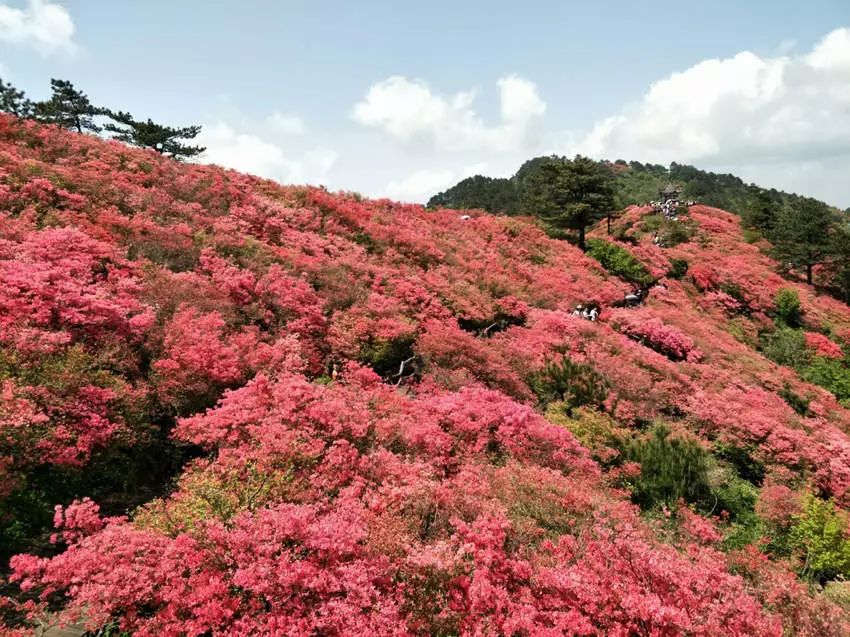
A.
pixel 389 421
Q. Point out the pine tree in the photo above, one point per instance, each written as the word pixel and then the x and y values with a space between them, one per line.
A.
pixel 569 194
pixel 68 108
pixel 762 210
pixel 801 235
pixel 839 260
pixel 14 101
pixel 163 139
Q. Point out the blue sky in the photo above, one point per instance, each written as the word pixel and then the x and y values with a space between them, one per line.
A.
pixel 403 99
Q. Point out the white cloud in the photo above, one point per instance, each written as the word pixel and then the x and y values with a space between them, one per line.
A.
pixel 420 185
pixel 45 26
pixel 519 100
pixel 409 110
pixel 738 110
pixel 286 124
pixel 833 52
pixel 247 152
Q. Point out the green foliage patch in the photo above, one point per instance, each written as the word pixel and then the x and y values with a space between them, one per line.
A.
pixel 618 261
pixel 576 384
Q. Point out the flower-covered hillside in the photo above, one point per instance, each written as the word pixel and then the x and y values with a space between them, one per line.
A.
pixel 261 409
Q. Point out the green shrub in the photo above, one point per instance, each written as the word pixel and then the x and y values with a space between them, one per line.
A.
pixel 618 261
pixel 676 467
pixel 743 532
pixel 787 346
pixel 672 467
pixel 752 236
pixel 651 223
pixel 819 534
pixel 737 498
pixel 831 374
pixel 675 232
pixel 795 401
pixel 678 269
pixel 740 332
pixel 558 233
pixel 741 459
pixel 597 431
pixel 576 384
pixel 386 355
pixel 734 495
pixel 788 308
pixel 368 242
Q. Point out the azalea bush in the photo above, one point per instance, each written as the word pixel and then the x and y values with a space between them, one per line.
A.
pixel 264 408
pixel 652 332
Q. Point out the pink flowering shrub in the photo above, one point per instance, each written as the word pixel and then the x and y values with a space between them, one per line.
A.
pixel 778 504
pixel 822 346
pixel 704 277
pixel 652 332
pixel 199 356
pixel 328 564
pixel 79 519
pixel 331 398
pixel 697 527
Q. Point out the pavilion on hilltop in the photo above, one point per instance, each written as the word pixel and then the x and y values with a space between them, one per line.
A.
pixel 670 192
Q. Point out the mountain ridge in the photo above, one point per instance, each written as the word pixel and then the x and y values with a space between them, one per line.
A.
pixel 635 183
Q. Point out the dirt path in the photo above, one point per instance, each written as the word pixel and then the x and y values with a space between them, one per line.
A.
pixel 72 630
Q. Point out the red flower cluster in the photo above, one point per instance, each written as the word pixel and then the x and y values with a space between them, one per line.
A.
pixel 652 332
pixel 822 346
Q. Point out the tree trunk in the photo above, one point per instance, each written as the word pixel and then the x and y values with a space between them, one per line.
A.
pixel 809 268
pixel 581 238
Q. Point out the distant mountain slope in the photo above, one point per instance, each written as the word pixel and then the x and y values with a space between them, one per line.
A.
pixel 386 420
pixel 636 183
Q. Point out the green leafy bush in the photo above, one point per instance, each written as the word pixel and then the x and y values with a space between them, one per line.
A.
pixel 735 498
pixel 576 384
pixel 795 401
pixel 678 268
pixel 597 431
pixel 674 467
pixel 788 308
pixel 742 461
pixel 831 374
pixel 618 261
pixel 819 533
pixel 787 346
pixel 675 232
pixel 651 223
